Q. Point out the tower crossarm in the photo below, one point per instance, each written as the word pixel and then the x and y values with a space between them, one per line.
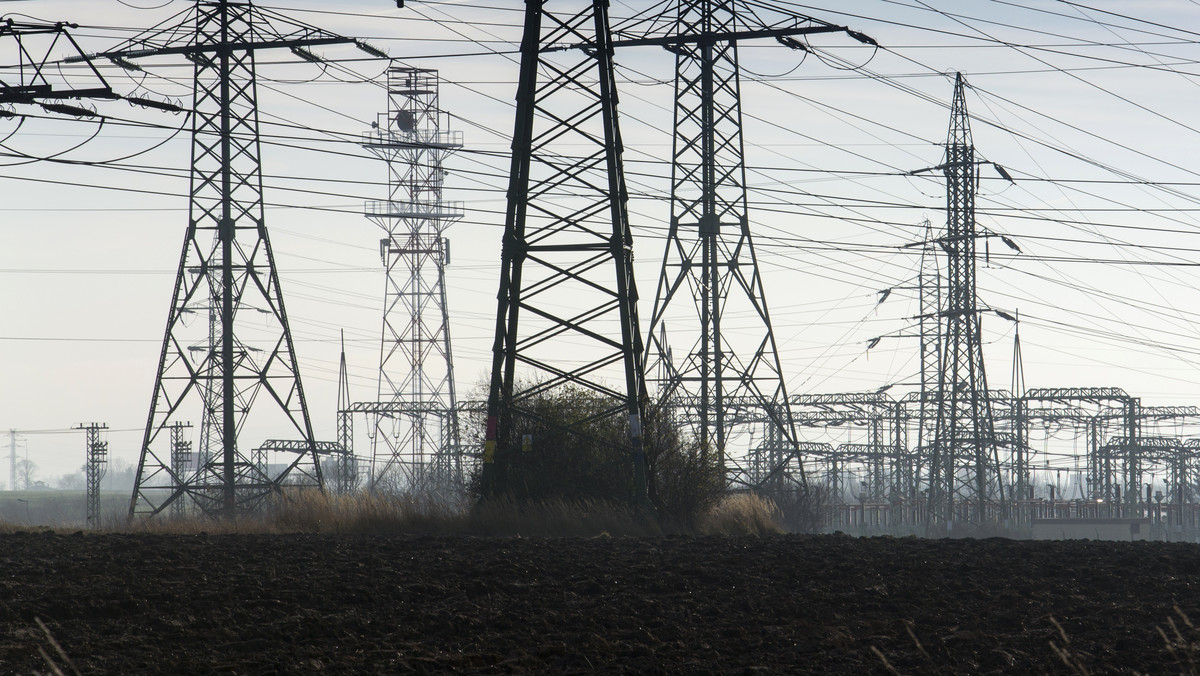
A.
pixel 31 83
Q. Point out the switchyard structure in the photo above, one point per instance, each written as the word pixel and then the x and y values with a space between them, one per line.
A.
pixel 225 367
pixel 955 451
pixel 1123 458
pixel 414 422
pixel 567 302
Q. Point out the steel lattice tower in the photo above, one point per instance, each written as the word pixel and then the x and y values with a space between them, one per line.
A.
pixel 347 466
pixel 709 252
pixel 964 461
pixel 931 299
pixel 415 435
pixel 246 362
pixel 567 310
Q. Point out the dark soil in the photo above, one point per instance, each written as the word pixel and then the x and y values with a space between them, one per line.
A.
pixel 261 604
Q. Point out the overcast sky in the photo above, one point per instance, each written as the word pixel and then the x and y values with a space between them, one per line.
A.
pixel 1089 106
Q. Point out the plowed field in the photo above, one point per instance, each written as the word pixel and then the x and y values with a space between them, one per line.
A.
pixel 261 604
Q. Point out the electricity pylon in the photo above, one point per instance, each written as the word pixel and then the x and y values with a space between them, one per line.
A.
pixel 709 253
pixel 930 298
pixel 347 466
pixel 247 362
pixel 964 464
pixel 415 435
pixel 567 303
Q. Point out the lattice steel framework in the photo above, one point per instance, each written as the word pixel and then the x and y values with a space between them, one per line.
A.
pixel 183 458
pixel 417 447
pixel 29 54
pixel 931 302
pixel 227 273
pixel 964 465
pixel 709 253
pixel 94 470
pixel 347 467
pixel 567 310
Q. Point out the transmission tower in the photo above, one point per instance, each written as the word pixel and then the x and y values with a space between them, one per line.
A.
pixel 347 468
pixel 1022 480
pixel 415 435
pixel 710 252
pixel 242 360
pixel 964 461
pixel 931 300
pixel 567 310
pixel 97 464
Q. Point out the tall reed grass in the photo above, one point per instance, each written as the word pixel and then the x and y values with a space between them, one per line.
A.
pixel 365 514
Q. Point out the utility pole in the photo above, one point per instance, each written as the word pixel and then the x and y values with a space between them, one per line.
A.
pixel 228 267
pixel 97 465
pixel 12 460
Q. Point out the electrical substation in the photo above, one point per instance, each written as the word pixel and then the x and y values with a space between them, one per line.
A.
pixel 952 454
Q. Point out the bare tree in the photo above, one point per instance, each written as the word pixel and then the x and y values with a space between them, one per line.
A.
pixel 26 474
pixel 75 481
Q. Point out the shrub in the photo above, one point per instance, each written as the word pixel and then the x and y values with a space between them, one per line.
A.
pixel 803 508
pixel 570 444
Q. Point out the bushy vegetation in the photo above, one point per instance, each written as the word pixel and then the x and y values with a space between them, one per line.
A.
pixel 549 455
pixel 801 508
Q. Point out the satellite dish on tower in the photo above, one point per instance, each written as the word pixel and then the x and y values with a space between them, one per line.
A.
pixel 406 121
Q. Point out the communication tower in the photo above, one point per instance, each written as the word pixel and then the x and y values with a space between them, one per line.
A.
pixel 415 432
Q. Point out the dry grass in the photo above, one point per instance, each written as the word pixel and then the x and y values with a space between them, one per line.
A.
pixel 310 512
pixel 743 514
pixel 59 662
pixel 1182 641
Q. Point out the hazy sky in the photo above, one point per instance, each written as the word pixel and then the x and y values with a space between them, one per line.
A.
pixel 1088 105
